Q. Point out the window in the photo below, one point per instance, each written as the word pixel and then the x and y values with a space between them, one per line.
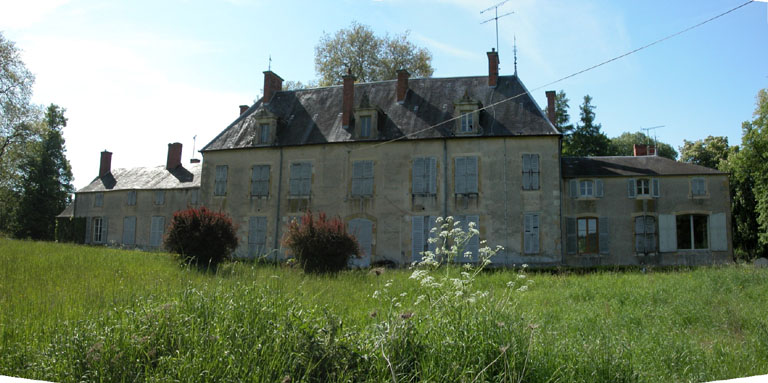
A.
pixel 362 178
pixel 466 122
pixel 129 230
pixel 465 181
pixel 645 234
pixel 260 180
pixel 421 231
pixel 473 244
pixel 156 231
pixel 98 200
pixel 362 229
pixel 98 230
pixel 531 233
pixel 365 127
pixel 698 187
pixel 586 188
pixel 159 197
pixel 220 184
pixel 301 179
pixel 530 172
pixel 264 134
pixel 692 231
pixel 588 237
pixel 130 199
pixel 424 175
pixel 643 187
pixel 257 236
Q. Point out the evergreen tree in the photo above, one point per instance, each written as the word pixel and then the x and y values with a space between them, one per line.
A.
pixel 587 139
pixel 47 181
pixel 562 118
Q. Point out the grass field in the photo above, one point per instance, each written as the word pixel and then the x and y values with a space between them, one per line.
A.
pixel 74 313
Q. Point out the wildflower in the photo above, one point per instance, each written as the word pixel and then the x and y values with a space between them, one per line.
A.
pixel 403 294
pixel 419 299
pixel 511 284
pixel 521 276
pixel 376 294
pixel 523 288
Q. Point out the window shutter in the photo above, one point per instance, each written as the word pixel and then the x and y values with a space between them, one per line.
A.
pixel 535 171
pixel 604 240
pixel 526 171
pixel 306 182
pixel 252 225
pixel 667 233
pixel 295 179
pixel 527 233
pixel 631 188
pixel 640 234
pixel 472 175
pixel 88 233
pixel 368 174
pixel 364 235
pixel 535 233
pixel 650 233
pixel 431 175
pixel 357 174
pixel 432 223
pixel 417 238
pixel 418 175
pixel 656 191
pixel 571 241
pixel 474 243
pixel 461 175
pixel 129 230
pixel 104 229
pixel 599 186
pixel 573 186
pixel 718 232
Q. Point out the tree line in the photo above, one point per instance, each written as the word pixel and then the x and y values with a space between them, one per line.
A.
pixel 35 175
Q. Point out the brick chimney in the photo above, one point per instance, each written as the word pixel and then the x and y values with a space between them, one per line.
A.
pixel 174 156
pixel 348 98
pixel 402 85
pixel 493 67
pixel 243 108
pixel 640 150
pixel 105 166
pixel 272 84
pixel 551 106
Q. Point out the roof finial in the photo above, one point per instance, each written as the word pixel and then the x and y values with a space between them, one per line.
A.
pixel 270 63
pixel 514 49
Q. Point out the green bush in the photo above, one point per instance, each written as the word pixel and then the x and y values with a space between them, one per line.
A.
pixel 320 245
pixel 201 237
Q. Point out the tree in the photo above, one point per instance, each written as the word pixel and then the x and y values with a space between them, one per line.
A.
pixel 562 118
pixel 47 181
pixel 16 112
pixel 368 57
pixel 623 145
pixel 708 152
pixel 587 139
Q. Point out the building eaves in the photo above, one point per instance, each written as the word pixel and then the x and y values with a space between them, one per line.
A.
pixel 144 178
pixel 629 166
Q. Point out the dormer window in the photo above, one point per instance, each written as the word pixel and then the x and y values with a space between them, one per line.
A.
pixel 264 136
pixel 365 127
pixel 466 123
pixel 265 126
pixel 467 114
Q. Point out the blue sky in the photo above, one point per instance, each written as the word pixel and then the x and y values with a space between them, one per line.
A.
pixel 136 75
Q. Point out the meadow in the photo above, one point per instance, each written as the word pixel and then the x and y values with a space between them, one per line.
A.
pixel 74 313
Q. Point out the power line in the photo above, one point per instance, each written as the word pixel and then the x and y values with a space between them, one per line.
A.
pixel 563 78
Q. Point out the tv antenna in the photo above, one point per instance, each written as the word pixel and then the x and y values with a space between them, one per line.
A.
pixel 495 8
pixel 648 137
pixel 194 141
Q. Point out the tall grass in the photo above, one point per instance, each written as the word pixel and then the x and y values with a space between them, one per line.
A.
pixel 74 313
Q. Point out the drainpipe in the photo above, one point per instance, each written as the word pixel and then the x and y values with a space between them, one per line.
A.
pixel 277 212
pixel 445 177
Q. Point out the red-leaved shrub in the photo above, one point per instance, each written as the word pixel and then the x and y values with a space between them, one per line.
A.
pixel 201 237
pixel 320 245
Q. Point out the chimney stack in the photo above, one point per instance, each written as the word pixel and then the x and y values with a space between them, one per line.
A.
pixel 105 167
pixel 272 84
pixel 243 108
pixel 551 106
pixel 348 98
pixel 174 156
pixel 402 85
pixel 493 67
pixel 640 150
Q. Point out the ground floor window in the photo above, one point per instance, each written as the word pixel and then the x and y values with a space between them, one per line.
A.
pixel 156 231
pixel 588 235
pixel 692 231
pixel 645 234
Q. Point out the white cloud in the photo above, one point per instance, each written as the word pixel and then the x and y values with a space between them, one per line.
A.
pixel 445 48
pixel 18 14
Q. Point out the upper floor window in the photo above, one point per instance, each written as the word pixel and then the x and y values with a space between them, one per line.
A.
pixel 643 187
pixel 366 116
pixel 220 183
pixel 260 180
pixel 698 187
pixel 531 172
pixel 130 199
pixel 98 200
pixel 362 178
pixel 365 127
pixel 300 179
pixel 159 197
pixel 424 175
pixel 466 112
pixel 466 123
pixel 465 178
pixel 586 188
pixel 264 136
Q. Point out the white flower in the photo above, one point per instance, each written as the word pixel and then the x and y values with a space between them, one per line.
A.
pixel 403 294
pixel 521 276
pixel 419 299
pixel 376 294
pixel 511 284
pixel 523 288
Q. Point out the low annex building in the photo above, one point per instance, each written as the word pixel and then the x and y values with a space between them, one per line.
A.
pixel 389 157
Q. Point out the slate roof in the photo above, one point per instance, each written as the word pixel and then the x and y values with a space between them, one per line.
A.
pixel 623 166
pixel 313 116
pixel 68 211
pixel 147 179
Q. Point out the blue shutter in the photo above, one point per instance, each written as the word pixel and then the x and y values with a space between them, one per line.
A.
pixel 460 180
pixel 472 174
pixel 527 233
pixel 252 241
pixel 432 224
pixel 431 175
pixel 535 172
pixel 599 186
pixel 573 187
pixel 418 175
pixel 604 237
pixel 667 233
pixel 362 229
pixel 357 178
pixel 417 238
pixel 294 187
pixel 571 241
pixel 535 233
pixel 526 171
pixel 631 188
pixel 656 191
pixel 306 184
pixel 368 178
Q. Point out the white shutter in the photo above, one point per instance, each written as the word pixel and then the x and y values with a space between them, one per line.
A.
pixel 571 241
pixel 431 175
pixel 656 191
pixel 417 238
pixel 667 233
pixel 718 232
pixel 599 186
pixel 573 186
pixel 472 174
pixel 418 175
pixel 631 188
pixel 604 240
